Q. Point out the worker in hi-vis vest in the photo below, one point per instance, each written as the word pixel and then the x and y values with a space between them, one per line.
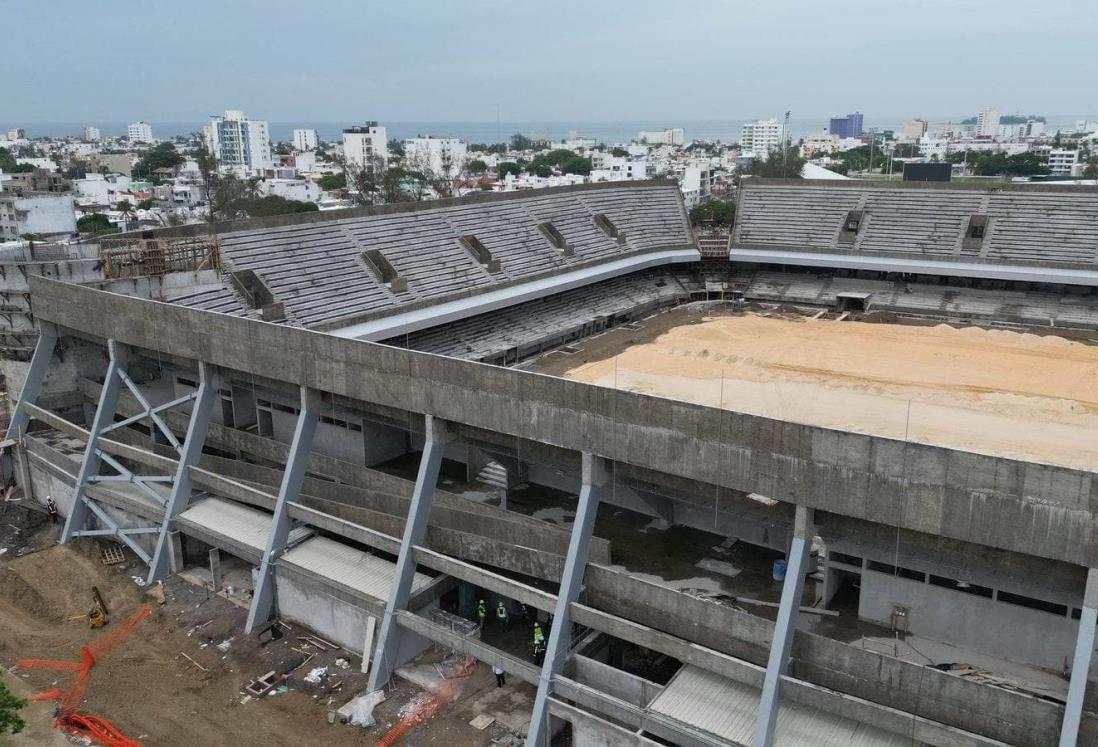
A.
pixel 482 612
pixel 502 616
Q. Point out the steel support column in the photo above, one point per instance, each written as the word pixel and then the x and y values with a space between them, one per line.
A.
pixel 1080 665
pixel 36 375
pixel 415 530
pixel 288 492
pixel 190 454
pixel 104 416
pixel 782 643
pixel 595 477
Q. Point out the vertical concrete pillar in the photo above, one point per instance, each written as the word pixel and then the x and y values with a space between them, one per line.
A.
pixel 1080 666
pixel 189 455
pixel 104 416
pixel 288 492
pixel 595 477
pixel 415 529
pixel 175 542
pixel 36 375
pixel 215 569
pixel 778 664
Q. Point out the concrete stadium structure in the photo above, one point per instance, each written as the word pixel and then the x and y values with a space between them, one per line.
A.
pixel 251 417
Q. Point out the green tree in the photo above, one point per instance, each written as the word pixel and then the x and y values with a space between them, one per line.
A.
pixel 715 212
pixel 619 152
pixel 276 205
pixel 396 149
pixel 477 166
pixel 125 207
pixel 148 204
pixel 508 167
pixel 10 705
pixel 562 160
pixel 329 182
pixel 779 166
pixel 521 142
pixel 1090 171
pixel 7 161
pixel 96 224
pixel 160 156
pixel 283 149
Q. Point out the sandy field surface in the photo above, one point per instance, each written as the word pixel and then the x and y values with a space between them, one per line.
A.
pixel 990 391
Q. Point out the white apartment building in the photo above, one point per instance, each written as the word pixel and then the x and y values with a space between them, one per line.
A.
pixel 820 144
pixel 696 184
pixel 614 169
pixel 1062 161
pixel 140 132
pixel 305 140
pixel 987 123
pixel 91 133
pixel 362 145
pixel 48 214
pixel 758 138
pixel 913 130
pixel 17 133
pixel 670 136
pixel 444 156
pixel 239 142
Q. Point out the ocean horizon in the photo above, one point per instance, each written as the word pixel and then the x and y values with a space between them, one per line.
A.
pixel 610 132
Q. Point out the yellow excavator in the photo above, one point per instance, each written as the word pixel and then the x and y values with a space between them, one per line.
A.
pixel 97 616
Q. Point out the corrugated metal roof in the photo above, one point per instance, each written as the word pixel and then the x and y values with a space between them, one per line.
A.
pixel 236 522
pixel 728 709
pixel 353 568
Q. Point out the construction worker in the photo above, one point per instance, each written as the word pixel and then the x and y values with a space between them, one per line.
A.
pixel 51 509
pixel 502 616
pixel 482 612
pixel 501 678
pixel 539 645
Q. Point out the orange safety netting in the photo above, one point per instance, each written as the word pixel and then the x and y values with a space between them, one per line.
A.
pixel 98 729
pixel 438 699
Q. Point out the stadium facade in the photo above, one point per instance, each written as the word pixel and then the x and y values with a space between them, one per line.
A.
pixel 248 402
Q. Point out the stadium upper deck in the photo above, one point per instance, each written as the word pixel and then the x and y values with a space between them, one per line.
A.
pixel 1034 233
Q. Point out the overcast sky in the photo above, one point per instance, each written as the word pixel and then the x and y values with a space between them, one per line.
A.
pixel 553 60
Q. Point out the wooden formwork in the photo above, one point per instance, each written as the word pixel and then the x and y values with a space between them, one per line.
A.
pixel 129 258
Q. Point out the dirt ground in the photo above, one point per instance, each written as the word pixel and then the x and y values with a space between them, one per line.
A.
pixel 147 689
pixel 994 391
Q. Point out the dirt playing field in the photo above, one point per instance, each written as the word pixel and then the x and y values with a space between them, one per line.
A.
pixel 148 690
pixel 1000 392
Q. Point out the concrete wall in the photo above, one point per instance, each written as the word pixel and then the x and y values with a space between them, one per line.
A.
pixel 984 625
pixel 1019 506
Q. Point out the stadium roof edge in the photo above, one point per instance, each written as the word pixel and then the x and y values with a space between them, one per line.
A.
pixel 293 219
pixel 940 186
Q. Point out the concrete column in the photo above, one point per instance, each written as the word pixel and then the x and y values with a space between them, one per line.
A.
pixel 36 375
pixel 175 543
pixel 415 530
pixel 104 416
pixel 288 492
pixel 215 569
pixel 189 455
pixel 1080 666
pixel 595 477
pixel 785 626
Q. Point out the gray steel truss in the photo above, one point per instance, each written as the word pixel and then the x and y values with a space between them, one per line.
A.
pixel 415 530
pixel 288 492
pixel 32 385
pixel 1080 665
pixel 595 477
pixel 781 645
pixel 85 507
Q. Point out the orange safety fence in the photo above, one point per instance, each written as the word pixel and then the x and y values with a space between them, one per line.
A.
pixel 438 699
pixel 95 728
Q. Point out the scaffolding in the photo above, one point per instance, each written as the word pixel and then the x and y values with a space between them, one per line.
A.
pixel 136 257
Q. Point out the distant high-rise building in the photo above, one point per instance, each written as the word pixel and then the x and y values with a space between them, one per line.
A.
pixel 91 133
pixel 16 133
pixel 670 136
pixel 848 126
pixel 913 129
pixel 140 132
pixel 444 156
pixel 238 141
pixel 364 146
pixel 987 123
pixel 760 137
pixel 305 140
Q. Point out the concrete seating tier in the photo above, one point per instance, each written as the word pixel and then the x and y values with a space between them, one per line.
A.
pixel 317 272
pixel 511 334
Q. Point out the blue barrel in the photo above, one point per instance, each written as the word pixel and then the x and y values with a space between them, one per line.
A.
pixel 779 570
